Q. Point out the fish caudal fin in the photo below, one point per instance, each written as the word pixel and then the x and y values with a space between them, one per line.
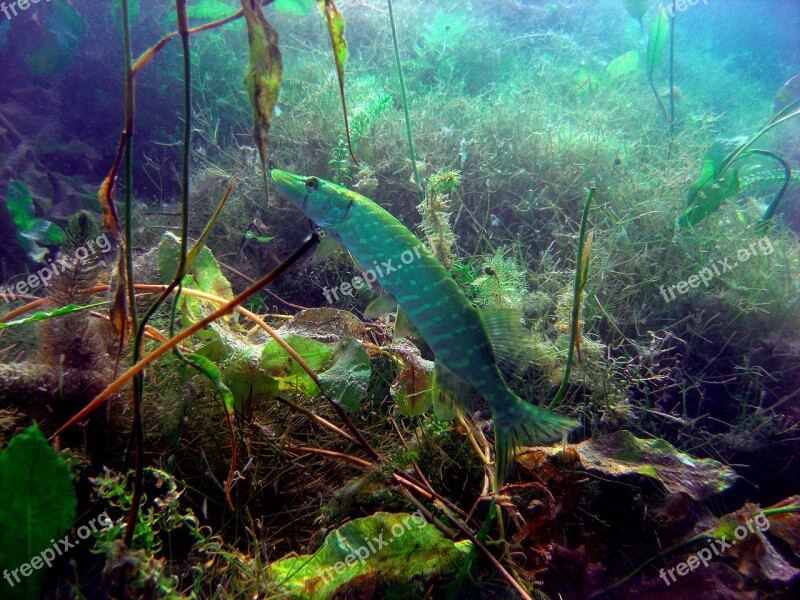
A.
pixel 518 423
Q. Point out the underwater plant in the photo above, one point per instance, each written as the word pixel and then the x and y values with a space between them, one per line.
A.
pixel 435 210
pixel 500 283
pixel 31 231
pixel 660 30
pixel 719 181
pixel 279 430
pixel 36 484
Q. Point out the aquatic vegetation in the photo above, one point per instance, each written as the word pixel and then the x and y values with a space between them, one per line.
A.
pixel 247 434
pixel 621 455
pixel 436 211
pixel 34 482
pixel 48 44
pixel 31 231
pixel 500 282
pixel 719 181
pixel 424 551
pixel 162 514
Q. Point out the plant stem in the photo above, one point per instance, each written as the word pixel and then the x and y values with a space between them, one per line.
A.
pixel 138 384
pixel 576 302
pixel 411 151
pixel 161 350
pixel 672 77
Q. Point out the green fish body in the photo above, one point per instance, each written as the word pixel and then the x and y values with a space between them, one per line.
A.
pixel 466 342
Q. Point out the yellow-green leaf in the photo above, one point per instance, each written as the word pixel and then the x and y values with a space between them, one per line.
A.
pixel 657 42
pixel 214 375
pixel 276 362
pixel 623 65
pixel 263 78
pixel 339 44
pixel 385 549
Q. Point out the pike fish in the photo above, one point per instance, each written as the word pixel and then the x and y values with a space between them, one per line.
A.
pixel 468 344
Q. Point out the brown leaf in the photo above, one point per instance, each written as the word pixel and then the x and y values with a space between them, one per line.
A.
pixel 621 454
pixel 410 387
pixel 336 30
pixel 264 74
pixel 106 194
pixel 118 310
pixel 746 532
pixel 786 525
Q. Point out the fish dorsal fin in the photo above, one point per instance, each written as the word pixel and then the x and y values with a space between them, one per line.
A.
pixel 328 246
pixel 381 306
pixel 512 343
pixel 451 395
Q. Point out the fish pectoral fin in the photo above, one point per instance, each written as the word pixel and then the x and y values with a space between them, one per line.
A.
pixel 511 341
pixel 403 327
pixel 328 246
pixel 451 395
pixel 381 306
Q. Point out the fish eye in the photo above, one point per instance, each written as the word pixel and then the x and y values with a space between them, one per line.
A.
pixel 312 184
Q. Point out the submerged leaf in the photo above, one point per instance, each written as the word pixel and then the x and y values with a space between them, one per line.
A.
pixel 336 30
pixel 657 41
pixel 621 454
pixel 49 43
pixel 30 231
pixel 324 325
pixel 214 375
pixel 204 274
pixel 375 550
pixel 711 188
pixel 41 316
pixel 37 505
pixel 264 74
pixel 20 205
pixel 623 65
pixel 636 8
pixel 277 363
pixel 757 557
pixel 346 380
pixel 788 93
pixel 411 387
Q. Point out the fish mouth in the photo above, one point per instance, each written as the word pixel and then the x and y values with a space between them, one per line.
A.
pixel 290 185
pixel 285 179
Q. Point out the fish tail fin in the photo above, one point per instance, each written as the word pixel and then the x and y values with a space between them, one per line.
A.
pixel 518 423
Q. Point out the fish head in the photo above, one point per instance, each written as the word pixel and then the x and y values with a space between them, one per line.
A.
pixel 325 203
